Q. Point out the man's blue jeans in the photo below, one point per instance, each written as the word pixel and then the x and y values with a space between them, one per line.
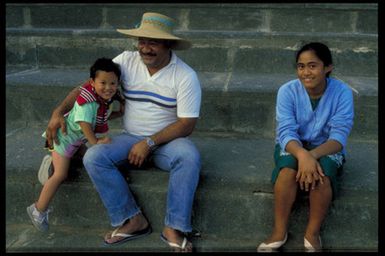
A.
pixel 179 157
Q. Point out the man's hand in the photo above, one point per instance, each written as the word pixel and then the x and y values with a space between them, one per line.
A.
pixel 57 121
pixel 138 153
pixel 57 118
pixel 181 128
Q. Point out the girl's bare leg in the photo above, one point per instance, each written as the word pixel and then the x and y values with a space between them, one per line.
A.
pixel 285 191
pixel 320 199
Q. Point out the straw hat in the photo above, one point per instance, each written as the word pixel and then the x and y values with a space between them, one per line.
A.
pixel 157 26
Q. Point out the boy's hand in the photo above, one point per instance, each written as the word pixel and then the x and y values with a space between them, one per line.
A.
pixel 103 140
pixel 121 108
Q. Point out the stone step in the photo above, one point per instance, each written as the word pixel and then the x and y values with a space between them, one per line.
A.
pixel 252 17
pixel 231 102
pixel 243 183
pixel 226 159
pixel 250 211
pixel 258 54
pixel 24 238
pixel 240 235
pixel 256 38
pixel 234 197
pixel 242 54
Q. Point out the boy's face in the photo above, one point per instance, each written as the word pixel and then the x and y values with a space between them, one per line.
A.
pixel 105 84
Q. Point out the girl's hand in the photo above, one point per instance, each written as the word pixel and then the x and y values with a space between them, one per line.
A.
pixel 309 172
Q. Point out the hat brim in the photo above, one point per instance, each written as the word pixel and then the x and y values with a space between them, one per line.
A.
pixel 180 44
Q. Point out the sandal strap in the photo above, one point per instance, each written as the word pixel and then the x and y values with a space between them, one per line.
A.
pixel 183 246
pixel 184 243
pixel 115 233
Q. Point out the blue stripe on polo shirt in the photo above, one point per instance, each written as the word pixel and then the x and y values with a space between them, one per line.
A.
pixel 152 101
pixel 151 94
pixel 145 96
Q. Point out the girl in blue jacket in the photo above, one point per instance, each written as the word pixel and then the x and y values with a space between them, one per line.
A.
pixel 314 115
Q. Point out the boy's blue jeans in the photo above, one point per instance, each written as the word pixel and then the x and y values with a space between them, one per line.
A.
pixel 179 157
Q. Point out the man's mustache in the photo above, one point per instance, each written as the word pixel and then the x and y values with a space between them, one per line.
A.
pixel 148 54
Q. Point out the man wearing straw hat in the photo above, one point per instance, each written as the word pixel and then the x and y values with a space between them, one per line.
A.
pixel 162 104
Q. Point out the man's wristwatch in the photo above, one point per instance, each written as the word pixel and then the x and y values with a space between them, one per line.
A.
pixel 150 143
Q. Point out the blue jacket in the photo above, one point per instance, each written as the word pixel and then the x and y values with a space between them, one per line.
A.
pixel 331 120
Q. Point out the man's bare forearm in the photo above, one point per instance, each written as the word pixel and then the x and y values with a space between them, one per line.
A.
pixel 181 128
pixel 68 102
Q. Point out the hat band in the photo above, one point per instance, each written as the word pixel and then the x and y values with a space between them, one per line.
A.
pixel 160 22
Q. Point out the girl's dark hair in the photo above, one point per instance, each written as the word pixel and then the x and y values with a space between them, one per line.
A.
pixel 105 64
pixel 319 49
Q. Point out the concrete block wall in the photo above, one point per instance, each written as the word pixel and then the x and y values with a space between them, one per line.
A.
pixel 242 52
pixel 257 38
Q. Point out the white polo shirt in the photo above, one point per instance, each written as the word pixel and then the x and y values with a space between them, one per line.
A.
pixel 154 102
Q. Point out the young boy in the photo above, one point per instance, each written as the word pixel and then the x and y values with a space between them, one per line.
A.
pixel 87 117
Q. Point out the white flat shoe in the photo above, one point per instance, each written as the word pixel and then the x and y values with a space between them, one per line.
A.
pixel 263 247
pixel 309 247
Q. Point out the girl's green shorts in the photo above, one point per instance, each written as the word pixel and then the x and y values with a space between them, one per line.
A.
pixel 332 165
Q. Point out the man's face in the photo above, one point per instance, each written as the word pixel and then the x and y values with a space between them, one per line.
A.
pixel 154 52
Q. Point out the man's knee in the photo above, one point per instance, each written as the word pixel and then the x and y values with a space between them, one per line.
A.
pixel 92 156
pixel 187 152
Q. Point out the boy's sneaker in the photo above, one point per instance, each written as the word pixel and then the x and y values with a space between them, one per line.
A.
pixel 46 169
pixel 39 219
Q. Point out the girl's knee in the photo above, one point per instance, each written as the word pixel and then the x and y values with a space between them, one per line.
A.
pixel 326 184
pixel 287 174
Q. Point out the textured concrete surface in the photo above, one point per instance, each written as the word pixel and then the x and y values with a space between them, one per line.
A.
pixel 258 38
pixel 234 199
pixel 244 105
pixel 242 54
